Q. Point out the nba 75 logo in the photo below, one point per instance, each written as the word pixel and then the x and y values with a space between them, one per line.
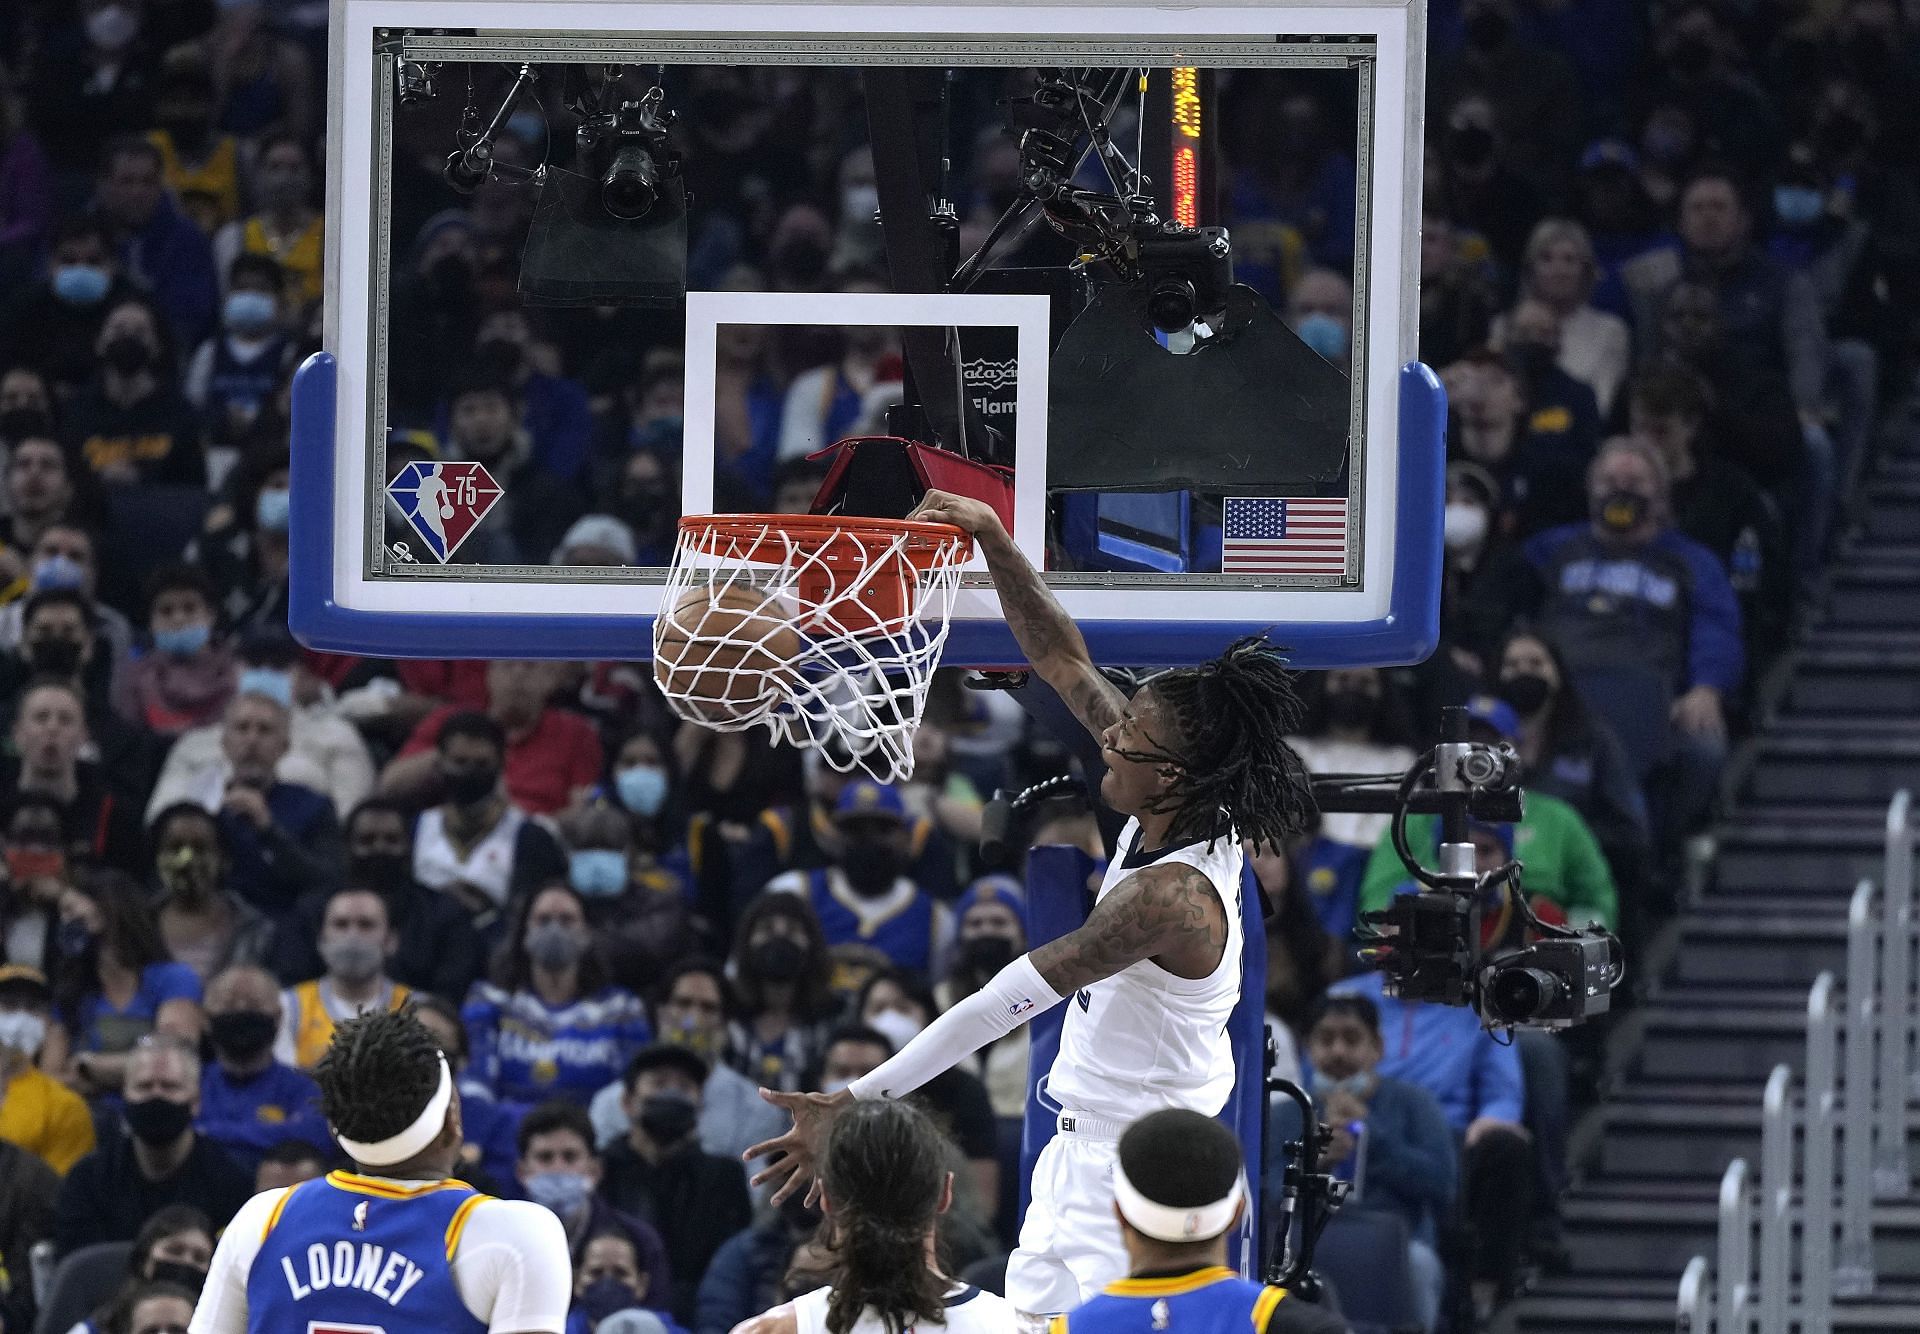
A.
pixel 444 502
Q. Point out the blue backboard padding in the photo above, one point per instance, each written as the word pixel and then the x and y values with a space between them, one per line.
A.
pixel 1057 902
pixel 1407 633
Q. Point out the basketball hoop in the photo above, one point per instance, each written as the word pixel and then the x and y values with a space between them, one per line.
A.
pixel 814 626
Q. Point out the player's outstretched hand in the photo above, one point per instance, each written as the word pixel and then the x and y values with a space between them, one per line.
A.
pixel 796 1154
pixel 976 518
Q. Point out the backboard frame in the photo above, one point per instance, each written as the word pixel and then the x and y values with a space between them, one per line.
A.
pixel 1390 616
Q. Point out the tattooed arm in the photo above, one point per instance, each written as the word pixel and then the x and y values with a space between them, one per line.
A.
pixel 1042 628
pixel 1170 913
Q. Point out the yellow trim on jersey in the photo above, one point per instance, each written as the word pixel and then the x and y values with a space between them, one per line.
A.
pixel 1057 1325
pixel 459 1221
pixel 387 1190
pixel 273 1218
pixel 1263 1307
pixel 1170 1287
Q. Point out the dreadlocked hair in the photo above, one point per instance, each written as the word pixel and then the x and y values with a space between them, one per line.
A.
pixel 885 1167
pixel 378 1074
pixel 1232 718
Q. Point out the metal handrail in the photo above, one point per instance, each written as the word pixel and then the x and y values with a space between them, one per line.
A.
pixel 1735 1270
pixel 1776 1200
pixel 1892 1173
pixel 1853 1273
pixel 1696 1298
pixel 1817 1175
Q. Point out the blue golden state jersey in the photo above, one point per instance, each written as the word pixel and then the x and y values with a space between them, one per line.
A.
pixel 359 1253
pixel 1215 1300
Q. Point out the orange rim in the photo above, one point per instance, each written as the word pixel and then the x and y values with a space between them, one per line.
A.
pixel 925 541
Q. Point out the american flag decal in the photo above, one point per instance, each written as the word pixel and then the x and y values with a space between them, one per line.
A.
pixel 1292 536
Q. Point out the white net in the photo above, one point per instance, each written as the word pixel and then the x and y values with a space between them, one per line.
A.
pixel 811 627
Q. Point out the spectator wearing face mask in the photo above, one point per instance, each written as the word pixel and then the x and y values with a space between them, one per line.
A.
pixel 609 1289
pixel 158 247
pixel 1355 723
pixel 131 424
pixel 65 556
pixel 53 325
pixel 553 409
pixel 546 1022
pixel 639 912
pixel 787 1006
pixel 992 917
pixel 898 1007
pixel 1491 424
pixel 233 376
pixel 437 949
pixel 203 923
pixel 356 940
pixel 171 1255
pixel 187 678
pixel 1486 579
pixel 159 1160
pixel 324 751
pixel 244 544
pixel 1562 410
pixel 692 1011
pixel 550 757
pixel 1408 1165
pixel 60 643
pixel 1320 310
pixel 660 1173
pixel 1629 597
pixel 288 228
pixel 40 490
pixel 478 846
pixel 865 896
pixel 560 1169
pixel 249 1101
pixel 38 1114
pixel 1560 271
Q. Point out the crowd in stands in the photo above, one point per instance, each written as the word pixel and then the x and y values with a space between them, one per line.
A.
pixel 1667 269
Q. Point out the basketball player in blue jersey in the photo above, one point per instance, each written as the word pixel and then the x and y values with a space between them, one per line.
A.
pixel 1198 759
pixel 394 1246
pixel 1179 1189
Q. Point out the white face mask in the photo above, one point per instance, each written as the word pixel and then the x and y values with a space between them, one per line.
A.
pixel 897 1028
pixel 1465 526
pixel 22 1031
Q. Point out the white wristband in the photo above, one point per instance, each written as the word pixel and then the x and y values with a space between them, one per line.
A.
pixel 1014 995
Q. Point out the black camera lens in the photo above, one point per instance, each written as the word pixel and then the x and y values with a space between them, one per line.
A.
pixel 1516 995
pixel 1173 305
pixel 631 186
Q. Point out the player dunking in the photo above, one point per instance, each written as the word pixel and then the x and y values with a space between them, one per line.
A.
pixel 1198 760
pixel 395 1246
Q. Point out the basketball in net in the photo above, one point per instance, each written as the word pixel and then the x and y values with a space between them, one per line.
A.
pixel 721 651
pixel 816 627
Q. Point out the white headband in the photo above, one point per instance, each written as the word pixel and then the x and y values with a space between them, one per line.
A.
pixel 1163 1222
pixel 397 1148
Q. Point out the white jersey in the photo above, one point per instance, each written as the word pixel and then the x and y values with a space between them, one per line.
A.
pixel 1144 1040
pixel 969 1311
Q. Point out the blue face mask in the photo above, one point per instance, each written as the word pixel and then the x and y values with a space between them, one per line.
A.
pixel 562 1192
pixel 276 686
pixel 249 312
pixel 1325 335
pixel 183 641
pixel 1798 205
pixel 273 510
pixel 81 284
pixel 598 873
pixel 58 572
pixel 642 789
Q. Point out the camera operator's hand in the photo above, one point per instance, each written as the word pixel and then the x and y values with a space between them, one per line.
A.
pixel 1698 713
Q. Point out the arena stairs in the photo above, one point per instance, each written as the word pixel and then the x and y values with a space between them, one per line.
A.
pixel 1725 996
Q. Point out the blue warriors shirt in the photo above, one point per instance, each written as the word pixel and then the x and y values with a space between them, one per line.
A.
pixel 355 1253
pixel 1215 1300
